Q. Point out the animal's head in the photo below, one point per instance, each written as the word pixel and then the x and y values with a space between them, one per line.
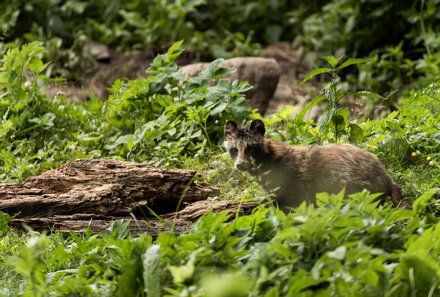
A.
pixel 244 144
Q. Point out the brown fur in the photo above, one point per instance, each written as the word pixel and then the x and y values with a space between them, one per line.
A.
pixel 294 174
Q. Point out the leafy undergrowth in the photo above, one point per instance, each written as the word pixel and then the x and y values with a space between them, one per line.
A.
pixel 350 247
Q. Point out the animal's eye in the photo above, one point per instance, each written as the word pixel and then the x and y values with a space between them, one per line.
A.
pixel 233 151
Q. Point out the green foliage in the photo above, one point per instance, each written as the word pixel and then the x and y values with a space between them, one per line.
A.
pixel 141 23
pixel 164 116
pixel 409 140
pixel 351 247
pixel 65 26
pixel 161 119
pixel 86 265
pixel 36 131
pixel 335 117
pixel 5 219
pixel 401 35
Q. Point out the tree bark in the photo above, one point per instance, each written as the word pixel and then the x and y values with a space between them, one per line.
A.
pixel 96 192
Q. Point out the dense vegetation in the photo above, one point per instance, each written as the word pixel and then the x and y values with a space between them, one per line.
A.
pixel 402 36
pixel 340 247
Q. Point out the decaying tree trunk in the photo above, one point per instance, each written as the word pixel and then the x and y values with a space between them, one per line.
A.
pixel 96 192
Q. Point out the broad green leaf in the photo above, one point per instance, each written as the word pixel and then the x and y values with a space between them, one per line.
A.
pixel 341 116
pixel 229 284
pixel 332 60
pixel 286 111
pixel 421 270
pixel 314 73
pixel 176 46
pixel 36 65
pixel 423 201
pixel 35 120
pixel 47 119
pixel 324 120
pixel 338 254
pixel 175 50
pixel 241 87
pixel 401 215
pixel 4 78
pixel 353 61
pixel 273 292
pixel 183 273
pixel 309 106
pixel 152 271
pixel 127 139
pixel 218 109
pixel 222 71
pixel 5 127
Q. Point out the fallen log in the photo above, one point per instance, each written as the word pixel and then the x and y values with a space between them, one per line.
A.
pixel 178 221
pixel 103 187
pixel 96 192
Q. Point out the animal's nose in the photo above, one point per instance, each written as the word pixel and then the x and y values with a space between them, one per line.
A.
pixel 240 166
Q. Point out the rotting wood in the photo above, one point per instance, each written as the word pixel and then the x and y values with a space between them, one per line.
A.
pixel 96 192
pixel 177 221
pixel 102 187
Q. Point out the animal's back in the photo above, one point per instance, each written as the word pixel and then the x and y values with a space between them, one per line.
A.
pixel 303 171
pixel 339 166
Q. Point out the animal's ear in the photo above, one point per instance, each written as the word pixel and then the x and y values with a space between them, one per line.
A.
pixel 230 128
pixel 257 127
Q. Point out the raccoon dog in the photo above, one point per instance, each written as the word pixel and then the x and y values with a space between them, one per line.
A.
pixel 293 174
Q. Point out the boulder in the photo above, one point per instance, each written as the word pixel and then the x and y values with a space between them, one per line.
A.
pixel 262 73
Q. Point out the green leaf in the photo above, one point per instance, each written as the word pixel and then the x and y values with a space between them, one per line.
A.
pixel 353 61
pixel 127 139
pixel 222 71
pixel 92 136
pixel 340 117
pixel 332 60
pixel 401 215
pixel 422 269
pixel 47 119
pixel 36 65
pixel 181 274
pixel 5 219
pixel 367 94
pixel 338 254
pixel 175 50
pixel 309 106
pixel 219 108
pixel 314 73
pixel 152 271
pixel 423 201
pixel 356 133
pixel 324 120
